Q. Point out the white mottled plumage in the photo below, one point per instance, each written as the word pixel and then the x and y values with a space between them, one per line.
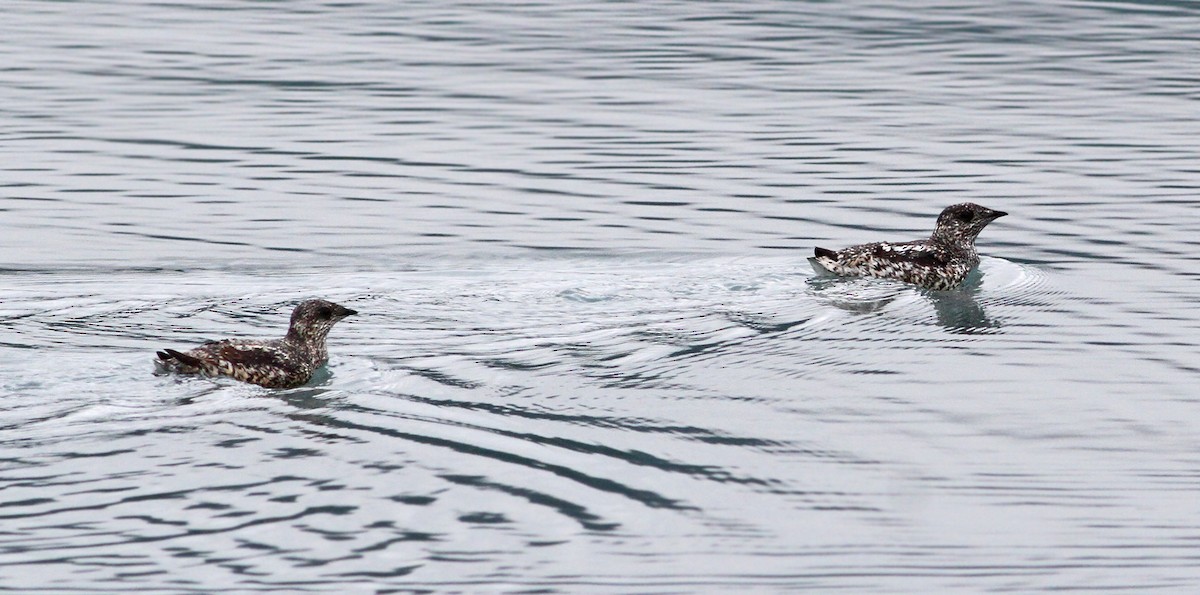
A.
pixel 274 363
pixel 940 262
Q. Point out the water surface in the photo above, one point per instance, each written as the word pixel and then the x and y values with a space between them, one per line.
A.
pixel 591 356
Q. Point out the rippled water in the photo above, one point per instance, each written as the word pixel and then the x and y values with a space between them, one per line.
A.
pixel 591 355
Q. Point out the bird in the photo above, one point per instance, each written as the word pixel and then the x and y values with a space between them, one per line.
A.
pixel 940 262
pixel 275 363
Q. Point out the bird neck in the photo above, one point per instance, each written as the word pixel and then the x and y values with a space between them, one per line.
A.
pixel 952 241
pixel 314 342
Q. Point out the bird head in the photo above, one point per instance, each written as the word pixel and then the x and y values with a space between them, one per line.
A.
pixel 963 222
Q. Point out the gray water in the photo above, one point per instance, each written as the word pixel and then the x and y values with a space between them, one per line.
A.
pixel 592 357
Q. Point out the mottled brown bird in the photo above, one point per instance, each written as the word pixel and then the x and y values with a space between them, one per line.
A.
pixel 274 363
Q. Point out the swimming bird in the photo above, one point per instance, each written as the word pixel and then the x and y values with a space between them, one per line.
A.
pixel 274 363
pixel 940 262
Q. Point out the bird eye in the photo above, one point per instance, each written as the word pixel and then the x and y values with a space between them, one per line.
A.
pixel 965 216
pixel 325 312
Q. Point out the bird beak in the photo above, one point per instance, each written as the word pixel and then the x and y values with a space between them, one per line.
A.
pixel 348 312
pixel 998 214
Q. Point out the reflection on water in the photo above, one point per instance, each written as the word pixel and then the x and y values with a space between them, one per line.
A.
pixel 958 310
pixel 591 356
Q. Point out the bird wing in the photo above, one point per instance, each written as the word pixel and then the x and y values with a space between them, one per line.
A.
pixel 920 254
pixel 248 354
pixel 882 259
pixel 230 355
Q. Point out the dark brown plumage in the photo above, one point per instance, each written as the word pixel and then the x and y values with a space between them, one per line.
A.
pixel 275 363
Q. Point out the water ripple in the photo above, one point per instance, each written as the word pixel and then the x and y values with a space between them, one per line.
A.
pixel 591 356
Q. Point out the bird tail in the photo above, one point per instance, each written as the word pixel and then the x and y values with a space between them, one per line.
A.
pixel 824 253
pixel 167 355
